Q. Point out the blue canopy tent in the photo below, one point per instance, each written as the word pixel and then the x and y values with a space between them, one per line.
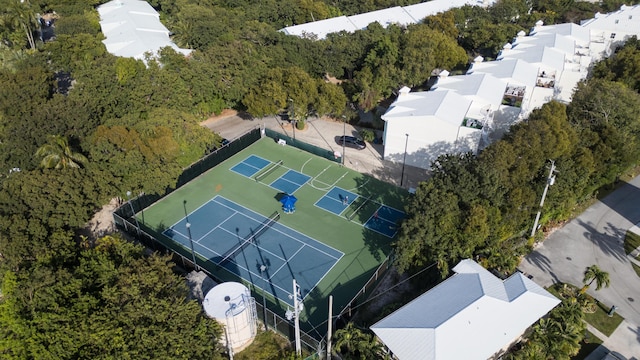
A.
pixel 288 203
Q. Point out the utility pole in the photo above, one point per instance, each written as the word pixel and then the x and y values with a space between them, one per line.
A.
pixel 295 314
pixel 551 179
pixel 404 159
pixel 293 118
pixel 263 270
pixel 193 252
pixel 330 323
pixel 344 135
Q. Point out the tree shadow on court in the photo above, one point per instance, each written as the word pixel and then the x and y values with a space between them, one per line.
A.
pixel 344 291
pixel 374 193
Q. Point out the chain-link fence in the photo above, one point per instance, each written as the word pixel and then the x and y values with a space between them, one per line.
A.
pixel 125 220
pixel 327 154
pixel 194 170
pixel 182 256
pixel 365 291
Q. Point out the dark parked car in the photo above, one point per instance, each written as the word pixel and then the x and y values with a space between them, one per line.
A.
pixel 352 141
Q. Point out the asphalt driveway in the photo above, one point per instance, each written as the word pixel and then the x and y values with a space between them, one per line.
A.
pixel 597 237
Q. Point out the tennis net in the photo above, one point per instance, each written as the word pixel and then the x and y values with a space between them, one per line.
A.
pixel 365 201
pixel 269 170
pixel 251 239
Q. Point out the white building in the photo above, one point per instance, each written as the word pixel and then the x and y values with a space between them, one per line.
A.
pixel 529 72
pixel 132 28
pixel 615 27
pixel 427 123
pixel 471 315
pixel 400 15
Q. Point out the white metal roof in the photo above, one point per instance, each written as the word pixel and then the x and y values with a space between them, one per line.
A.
pixel 581 34
pixel 511 70
pixel 447 106
pixel 133 28
pixel 321 28
pixel 385 17
pixel 428 8
pixel 561 43
pixel 396 15
pixel 537 55
pixel 484 90
pixel 477 87
pixel 624 21
pixel 471 315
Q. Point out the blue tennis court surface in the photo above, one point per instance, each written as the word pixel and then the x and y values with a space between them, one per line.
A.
pixel 385 221
pixel 220 226
pixel 336 200
pixel 250 166
pixel 290 182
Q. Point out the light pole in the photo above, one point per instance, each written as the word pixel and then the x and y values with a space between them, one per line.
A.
pixel 404 159
pixel 551 179
pixel 263 269
pixel 295 314
pixel 133 212
pixel 344 134
pixel 193 253
pixel 293 118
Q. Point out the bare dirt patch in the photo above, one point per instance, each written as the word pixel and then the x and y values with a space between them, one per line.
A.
pixel 226 113
pixel 102 221
pixel 391 291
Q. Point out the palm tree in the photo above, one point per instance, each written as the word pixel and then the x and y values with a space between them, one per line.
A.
pixel 58 155
pixel 19 13
pixel 354 343
pixel 593 273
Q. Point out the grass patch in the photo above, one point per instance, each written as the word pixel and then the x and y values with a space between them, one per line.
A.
pixel 587 346
pixel 631 242
pixel 601 321
pixel 266 346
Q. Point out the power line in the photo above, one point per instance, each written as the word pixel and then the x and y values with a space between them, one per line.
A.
pixel 380 294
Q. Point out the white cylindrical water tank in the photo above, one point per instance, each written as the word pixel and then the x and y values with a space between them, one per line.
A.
pixel 231 304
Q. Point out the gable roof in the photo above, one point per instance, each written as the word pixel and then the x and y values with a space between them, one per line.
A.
pixel 512 70
pixel 581 34
pixel 445 105
pixel 558 42
pixel 402 15
pixel 536 55
pixel 133 28
pixel 624 20
pixel 473 305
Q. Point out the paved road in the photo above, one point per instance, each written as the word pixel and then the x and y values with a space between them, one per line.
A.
pixel 597 237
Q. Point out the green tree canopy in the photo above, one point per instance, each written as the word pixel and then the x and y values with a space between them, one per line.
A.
pixel 111 302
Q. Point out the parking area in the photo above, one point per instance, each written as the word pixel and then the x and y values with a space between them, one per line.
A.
pixel 323 132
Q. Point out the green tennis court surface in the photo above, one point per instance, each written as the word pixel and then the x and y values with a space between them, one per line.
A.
pixel 341 243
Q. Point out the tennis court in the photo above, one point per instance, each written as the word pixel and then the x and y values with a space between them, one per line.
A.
pixel 332 244
pixel 290 182
pixel 250 166
pixel 385 221
pixel 336 200
pixel 242 241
